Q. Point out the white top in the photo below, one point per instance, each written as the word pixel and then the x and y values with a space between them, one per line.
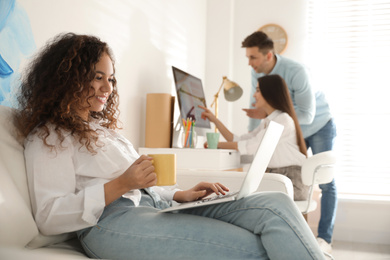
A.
pixel 66 184
pixel 287 151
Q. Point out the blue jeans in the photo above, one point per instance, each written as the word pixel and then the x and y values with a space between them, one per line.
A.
pixel 323 141
pixel 260 226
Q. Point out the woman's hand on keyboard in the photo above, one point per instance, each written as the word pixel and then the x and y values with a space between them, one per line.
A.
pixel 201 190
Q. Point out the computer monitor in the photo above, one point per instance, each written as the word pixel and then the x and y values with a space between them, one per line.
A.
pixel 190 94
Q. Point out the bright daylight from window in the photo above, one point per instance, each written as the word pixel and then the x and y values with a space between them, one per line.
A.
pixel 348 53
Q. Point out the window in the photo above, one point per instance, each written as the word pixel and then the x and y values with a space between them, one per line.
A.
pixel 348 47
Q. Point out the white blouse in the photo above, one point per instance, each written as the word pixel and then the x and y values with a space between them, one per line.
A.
pixel 66 184
pixel 287 151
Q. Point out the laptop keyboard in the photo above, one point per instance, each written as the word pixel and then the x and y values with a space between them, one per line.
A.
pixel 216 197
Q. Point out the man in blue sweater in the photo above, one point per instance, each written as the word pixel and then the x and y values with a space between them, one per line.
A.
pixel 312 110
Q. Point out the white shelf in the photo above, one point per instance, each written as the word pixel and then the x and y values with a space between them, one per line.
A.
pixel 199 158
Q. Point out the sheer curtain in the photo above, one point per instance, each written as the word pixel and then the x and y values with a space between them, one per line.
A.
pixel 348 47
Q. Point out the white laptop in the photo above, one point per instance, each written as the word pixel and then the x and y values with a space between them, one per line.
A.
pixel 253 176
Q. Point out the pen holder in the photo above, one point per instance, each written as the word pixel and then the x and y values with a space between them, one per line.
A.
pixel 189 140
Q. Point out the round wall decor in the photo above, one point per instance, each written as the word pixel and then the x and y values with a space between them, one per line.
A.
pixel 278 36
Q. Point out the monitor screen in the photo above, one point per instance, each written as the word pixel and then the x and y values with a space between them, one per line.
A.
pixel 190 94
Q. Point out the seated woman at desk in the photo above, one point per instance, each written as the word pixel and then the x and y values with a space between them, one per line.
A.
pixel 85 177
pixel 274 103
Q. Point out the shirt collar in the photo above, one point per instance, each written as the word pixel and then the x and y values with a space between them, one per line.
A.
pixel 274 114
pixel 277 59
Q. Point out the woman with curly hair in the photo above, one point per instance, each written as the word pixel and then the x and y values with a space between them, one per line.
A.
pixel 85 177
pixel 56 90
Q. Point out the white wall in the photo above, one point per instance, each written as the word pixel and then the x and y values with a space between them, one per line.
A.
pixel 147 38
pixel 358 219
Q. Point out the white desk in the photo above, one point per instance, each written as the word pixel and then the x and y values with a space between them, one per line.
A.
pixel 199 158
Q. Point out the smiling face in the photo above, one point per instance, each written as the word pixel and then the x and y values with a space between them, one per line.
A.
pixel 101 85
pixel 260 62
pixel 260 101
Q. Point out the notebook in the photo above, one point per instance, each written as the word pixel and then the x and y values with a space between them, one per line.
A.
pixel 253 176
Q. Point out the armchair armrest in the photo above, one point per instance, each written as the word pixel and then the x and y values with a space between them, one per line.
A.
pixel 277 182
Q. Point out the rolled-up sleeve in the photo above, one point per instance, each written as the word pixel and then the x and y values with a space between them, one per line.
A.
pixel 94 203
pixel 166 193
pixel 248 143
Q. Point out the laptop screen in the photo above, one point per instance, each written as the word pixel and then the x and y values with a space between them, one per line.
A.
pixel 190 94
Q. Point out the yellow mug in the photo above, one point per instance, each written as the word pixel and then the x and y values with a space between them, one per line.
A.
pixel 165 168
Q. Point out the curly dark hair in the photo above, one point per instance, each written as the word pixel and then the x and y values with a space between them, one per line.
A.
pixel 274 90
pixel 56 84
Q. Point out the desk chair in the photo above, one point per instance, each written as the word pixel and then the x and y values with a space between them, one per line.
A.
pixel 317 169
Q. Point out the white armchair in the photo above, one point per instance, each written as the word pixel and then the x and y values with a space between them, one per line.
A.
pixel 19 236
